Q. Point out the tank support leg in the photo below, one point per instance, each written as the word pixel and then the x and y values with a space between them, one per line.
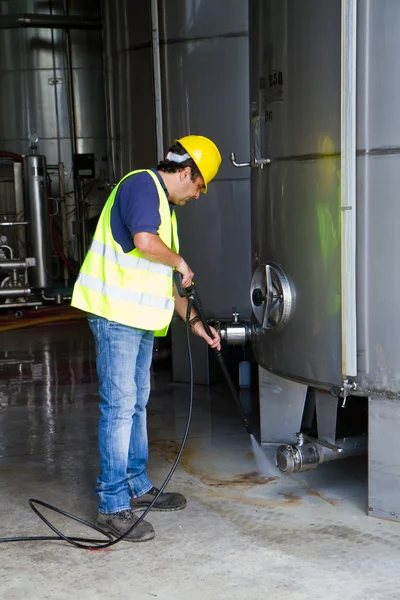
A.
pixel 384 458
pixel 281 408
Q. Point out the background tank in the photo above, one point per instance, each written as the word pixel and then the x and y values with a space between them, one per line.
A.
pixel 204 71
pixel 53 89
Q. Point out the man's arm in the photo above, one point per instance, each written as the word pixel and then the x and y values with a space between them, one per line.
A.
pixel 197 329
pixel 153 248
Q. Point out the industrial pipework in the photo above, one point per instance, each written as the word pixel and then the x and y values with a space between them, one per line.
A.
pixel 309 453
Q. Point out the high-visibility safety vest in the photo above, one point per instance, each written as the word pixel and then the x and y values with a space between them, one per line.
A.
pixel 126 287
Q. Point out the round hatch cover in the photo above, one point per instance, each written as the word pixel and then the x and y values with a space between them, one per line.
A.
pixel 271 296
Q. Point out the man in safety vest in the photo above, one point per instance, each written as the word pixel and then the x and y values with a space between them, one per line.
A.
pixel 125 285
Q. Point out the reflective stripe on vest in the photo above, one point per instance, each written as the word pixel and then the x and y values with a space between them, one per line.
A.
pixel 129 262
pixel 112 291
pixel 126 287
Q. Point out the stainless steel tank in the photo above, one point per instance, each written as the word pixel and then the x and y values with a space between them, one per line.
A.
pixel 204 73
pixel 34 82
pixel 53 88
pixel 324 129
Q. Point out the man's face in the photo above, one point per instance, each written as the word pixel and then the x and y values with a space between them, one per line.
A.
pixel 187 189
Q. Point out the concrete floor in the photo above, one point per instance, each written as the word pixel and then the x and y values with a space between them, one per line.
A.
pixel 240 537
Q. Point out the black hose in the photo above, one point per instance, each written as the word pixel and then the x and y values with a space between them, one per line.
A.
pixel 193 295
pixel 88 544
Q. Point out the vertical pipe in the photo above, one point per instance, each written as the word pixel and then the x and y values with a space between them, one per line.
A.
pixel 155 41
pixel 348 186
pixel 37 212
pixel 64 230
pixel 109 93
pixel 71 103
pixel 19 208
pixel 55 84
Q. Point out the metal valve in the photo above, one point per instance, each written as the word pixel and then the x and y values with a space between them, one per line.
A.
pixel 256 162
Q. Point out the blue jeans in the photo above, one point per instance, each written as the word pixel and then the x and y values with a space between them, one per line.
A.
pixel 123 360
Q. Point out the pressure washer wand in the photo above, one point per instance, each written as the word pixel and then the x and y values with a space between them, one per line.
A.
pixel 192 294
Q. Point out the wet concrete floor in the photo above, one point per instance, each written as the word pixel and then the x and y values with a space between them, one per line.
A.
pixel 240 537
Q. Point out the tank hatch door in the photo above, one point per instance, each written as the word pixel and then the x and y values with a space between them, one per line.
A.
pixel 271 296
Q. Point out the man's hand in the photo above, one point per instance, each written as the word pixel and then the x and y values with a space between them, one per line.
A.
pixel 187 273
pixel 199 330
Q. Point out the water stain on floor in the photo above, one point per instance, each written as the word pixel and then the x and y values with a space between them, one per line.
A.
pixel 233 486
pixel 235 480
pixel 168 450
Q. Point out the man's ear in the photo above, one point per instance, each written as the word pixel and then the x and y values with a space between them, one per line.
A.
pixel 186 172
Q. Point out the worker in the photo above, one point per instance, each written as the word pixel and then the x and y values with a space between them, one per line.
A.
pixel 126 286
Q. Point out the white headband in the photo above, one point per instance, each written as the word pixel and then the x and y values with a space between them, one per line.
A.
pixel 178 158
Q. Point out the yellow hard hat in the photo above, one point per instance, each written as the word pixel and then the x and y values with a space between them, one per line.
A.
pixel 205 154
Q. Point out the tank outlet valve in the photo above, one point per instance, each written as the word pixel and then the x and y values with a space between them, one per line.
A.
pixel 234 332
pixel 295 458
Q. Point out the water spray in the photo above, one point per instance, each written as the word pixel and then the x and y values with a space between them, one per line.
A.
pixel 265 467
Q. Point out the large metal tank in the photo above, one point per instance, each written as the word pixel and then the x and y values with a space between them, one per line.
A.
pixel 204 73
pixel 53 88
pixel 324 97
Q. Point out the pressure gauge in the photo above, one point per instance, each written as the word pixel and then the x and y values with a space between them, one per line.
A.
pixel 33 138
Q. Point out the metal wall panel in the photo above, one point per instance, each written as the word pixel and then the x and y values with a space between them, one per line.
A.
pixel 214 230
pixel 378 208
pixel 129 86
pixel 383 450
pixel 215 239
pixel 204 61
pixel 206 92
pixel 378 281
pixel 378 124
pixel 204 18
pixel 132 111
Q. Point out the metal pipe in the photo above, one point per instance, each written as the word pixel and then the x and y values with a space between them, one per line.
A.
pixel 64 231
pixel 108 71
pixel 82 219
pixel 48 22
pixel 37 211
pixel 235 333
pixel 295 458
pixel 16 264
pixel 11 251
pixel 22 305
pixel 13 224
pixel 70 93
pixel 14 292
pixel 155 42
pixel 55 88
pixel 348 186
pixel 19 207
pixel 71 106
pixel 16 157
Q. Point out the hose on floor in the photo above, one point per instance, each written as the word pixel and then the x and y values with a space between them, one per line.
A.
pixel 96 544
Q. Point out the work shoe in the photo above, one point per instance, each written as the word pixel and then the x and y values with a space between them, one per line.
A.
pixel 118 523
pixel 166 501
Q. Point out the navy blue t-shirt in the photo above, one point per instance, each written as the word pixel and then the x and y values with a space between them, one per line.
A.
pixel 136 209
